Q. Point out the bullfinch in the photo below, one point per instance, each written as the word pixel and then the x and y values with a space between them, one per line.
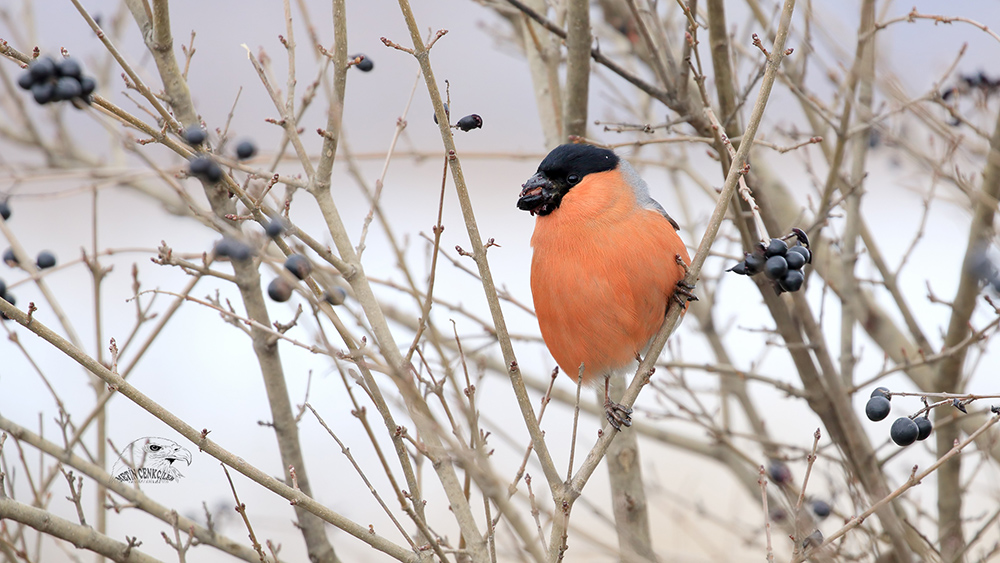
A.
pixel 607 260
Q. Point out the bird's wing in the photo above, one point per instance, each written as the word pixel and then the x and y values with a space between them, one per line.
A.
pixel 641 190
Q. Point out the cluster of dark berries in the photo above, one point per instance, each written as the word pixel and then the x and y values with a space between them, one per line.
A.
pixel 204 168
pixel 905 430
pixel 967 83
pixel 281 289
pixel 365 64
pixel 779 262
pixel 233 249
pixel 55 81
pixel 467 123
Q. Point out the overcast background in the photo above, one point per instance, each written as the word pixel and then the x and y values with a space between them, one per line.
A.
pixel 203 370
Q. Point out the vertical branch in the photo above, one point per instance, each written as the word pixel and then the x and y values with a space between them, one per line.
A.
pixel 949 375
pixel 321 180
pixel 576 93
pixel 542 53
pixel 628 493
pixel 864 68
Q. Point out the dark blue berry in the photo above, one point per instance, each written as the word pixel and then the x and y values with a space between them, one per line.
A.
pixel 43 92
pixel 195 135
pixel 279 290
pixel 754 264
pixel 42 69
pixel 882 392
pixel 10 258
pixel 67 88
pixel 366 64
pixel 792 280
pixel 821 509
pixel 805 252
pixel 777 247
pixel 45 260
pixel 335 296
pixel 795 260
pixel 25 81
pixel 904 431
pixel 87 86
pixel 275 227
pixel 776 267
pixel 298 265
pixel 4 210
pixel 8 297
pixel 70 68
pixel 447 112
pixel 924 427
pixel 779 472
pixel 3 288
pixel 877 408
pixel 470 122
pixel 240 252
pixel 245 150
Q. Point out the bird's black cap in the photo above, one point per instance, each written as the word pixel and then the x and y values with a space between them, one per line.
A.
pixel 577 159
pixel 562 169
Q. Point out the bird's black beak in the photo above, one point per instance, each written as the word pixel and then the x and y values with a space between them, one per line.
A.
pixel 538 195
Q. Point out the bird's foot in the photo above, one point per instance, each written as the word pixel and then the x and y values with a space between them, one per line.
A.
pixel 682 293
pixel 617 414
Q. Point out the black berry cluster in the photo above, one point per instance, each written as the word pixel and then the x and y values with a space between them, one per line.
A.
pixel 56 81
pixel 780 263
pixel 280 289
pixel 204 168
pixel 233 249
pixel 904 430
pixel 968 83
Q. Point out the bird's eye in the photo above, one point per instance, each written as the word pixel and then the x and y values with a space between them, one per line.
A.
pixel 573 179
pixel 155 448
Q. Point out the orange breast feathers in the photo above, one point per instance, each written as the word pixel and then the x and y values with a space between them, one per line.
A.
pixel 602 274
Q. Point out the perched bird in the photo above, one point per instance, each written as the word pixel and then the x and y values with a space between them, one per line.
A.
pixel 607 261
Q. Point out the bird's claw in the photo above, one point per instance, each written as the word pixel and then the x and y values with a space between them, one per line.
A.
pixel 617 414
pixel 682 293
